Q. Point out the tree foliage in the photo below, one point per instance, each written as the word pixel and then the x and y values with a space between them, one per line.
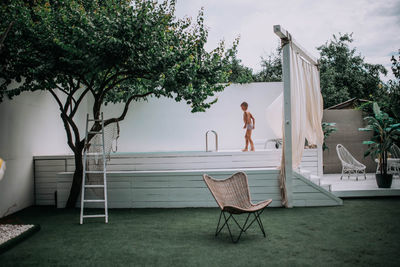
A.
pixel 117 51
pixel 389 96
pixel 271 67
pixel 344 74
pixel 239 72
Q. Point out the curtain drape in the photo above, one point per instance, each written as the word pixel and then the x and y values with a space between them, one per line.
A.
pixel 306 112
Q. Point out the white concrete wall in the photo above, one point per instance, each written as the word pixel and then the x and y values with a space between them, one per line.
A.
pixel 164 125
pixel 30 125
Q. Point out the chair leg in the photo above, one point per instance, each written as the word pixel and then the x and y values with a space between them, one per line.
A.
pixel 219 220
pixel 257 215
pixel 225 223
pixel 242 228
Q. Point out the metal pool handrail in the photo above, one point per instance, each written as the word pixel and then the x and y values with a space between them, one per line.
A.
pixel 216 140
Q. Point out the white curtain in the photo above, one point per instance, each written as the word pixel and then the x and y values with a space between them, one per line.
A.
pixel 307 110
pixel 307 105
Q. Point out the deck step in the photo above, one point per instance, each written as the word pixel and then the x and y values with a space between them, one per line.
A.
pixel 327 187
pixel 315 179
pixel 305 173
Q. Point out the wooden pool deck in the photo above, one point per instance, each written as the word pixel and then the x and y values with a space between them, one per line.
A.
pixel 361 188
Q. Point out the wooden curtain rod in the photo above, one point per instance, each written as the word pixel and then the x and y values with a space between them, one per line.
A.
pixel 286 37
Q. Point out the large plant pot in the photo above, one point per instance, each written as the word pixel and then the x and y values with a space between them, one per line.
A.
pixel 384 181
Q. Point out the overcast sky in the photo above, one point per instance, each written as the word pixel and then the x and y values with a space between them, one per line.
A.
pixel 375 24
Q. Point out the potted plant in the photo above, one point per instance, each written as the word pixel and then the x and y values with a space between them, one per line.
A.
pixel 386 132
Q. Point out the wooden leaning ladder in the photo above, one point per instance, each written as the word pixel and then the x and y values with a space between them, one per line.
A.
pixel 87 171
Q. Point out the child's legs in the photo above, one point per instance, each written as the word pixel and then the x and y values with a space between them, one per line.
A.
pixel 248 133
pixel 246 138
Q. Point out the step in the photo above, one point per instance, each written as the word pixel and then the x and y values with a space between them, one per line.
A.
pixel 305 173
pixel 94 216
pixel 94 154
pixel 315 179
pixel 95 132
pixel 327 187
pixel 94 186
pixel 94 200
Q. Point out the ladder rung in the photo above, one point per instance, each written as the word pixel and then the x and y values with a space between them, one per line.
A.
pixel 94 171
pixel 94 200
pixel 94 186
pixel 94 216
pixel 94 132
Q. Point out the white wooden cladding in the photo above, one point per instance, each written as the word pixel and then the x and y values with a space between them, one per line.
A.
pixel 167 189
pixel 166 185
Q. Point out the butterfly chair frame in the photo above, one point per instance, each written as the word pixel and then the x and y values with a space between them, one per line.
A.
pixel 233 197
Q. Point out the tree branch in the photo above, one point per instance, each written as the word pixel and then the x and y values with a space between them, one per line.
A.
pixel 4 35
pixel 125 111
pixel 68 130
pixel 78 102
pixel 57 99
pixel 64 118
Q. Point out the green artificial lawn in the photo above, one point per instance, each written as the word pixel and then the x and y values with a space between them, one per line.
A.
pixel 363 232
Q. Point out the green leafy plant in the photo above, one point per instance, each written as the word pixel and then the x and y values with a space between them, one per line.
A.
pixel 386 132
pixel 328 128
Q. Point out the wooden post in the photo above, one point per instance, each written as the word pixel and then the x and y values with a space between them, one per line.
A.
pixel 288 41
pixel 320 161
pixel 287 108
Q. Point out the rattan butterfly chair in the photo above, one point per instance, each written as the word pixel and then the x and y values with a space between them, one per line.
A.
pixel 233 198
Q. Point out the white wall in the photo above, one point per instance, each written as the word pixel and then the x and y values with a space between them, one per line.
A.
pixel 30 125
pixel 164 125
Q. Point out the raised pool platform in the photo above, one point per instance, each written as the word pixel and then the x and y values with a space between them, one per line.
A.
pixel 174 179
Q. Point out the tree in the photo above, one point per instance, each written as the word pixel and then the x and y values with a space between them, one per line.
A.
pixel 117 51
pixel 387 94
pixel 344 74
pixel 239 73
pixel 271 67
pixel 393 90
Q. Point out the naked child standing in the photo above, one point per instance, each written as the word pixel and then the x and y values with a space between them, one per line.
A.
pixel 249 125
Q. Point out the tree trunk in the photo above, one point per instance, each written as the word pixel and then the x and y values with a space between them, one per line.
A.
pixel 76 181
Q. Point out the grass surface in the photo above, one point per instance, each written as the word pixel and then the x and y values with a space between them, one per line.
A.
pixel 363 232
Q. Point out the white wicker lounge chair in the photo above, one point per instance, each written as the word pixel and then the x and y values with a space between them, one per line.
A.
pixel 350 165
pixel 395 166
